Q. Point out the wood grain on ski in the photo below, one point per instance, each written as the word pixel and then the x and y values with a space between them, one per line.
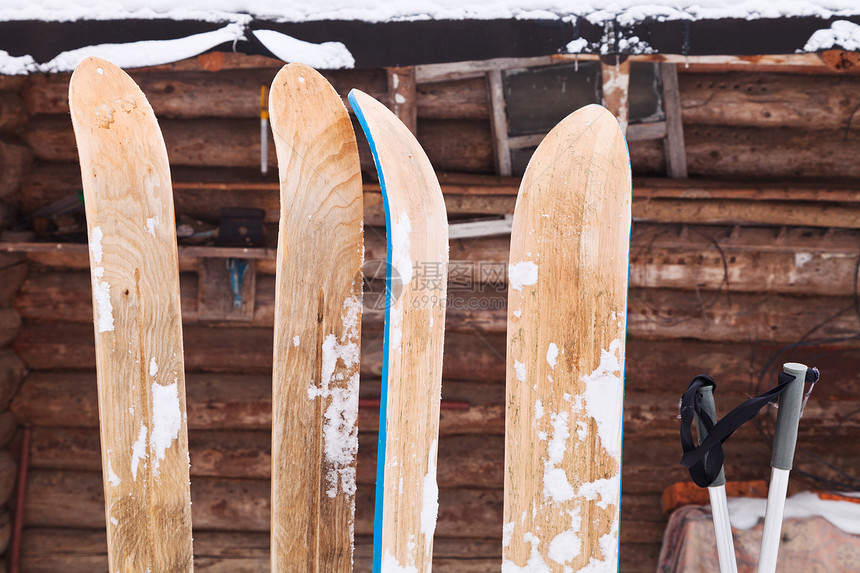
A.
pixel 317 325
pixel 417 257
pixel 565 356
pixel 138 330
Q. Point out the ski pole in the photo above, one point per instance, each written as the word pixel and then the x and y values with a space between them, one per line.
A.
pixel 784 441
pixel 717 492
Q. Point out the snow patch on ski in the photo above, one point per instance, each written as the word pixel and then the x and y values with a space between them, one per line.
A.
pixel 430 501
pixel 101 289
pixel 535 564
pixel 400 258
pixel 520 370
pixel 166 420
pixel 609 548
pixel 113 479
pixel 523 273
pixel 296 341
pixel 507 533
pixel 567 545
pixel 604 391
pixel 390 565
pixel 153 367
pixel 605 491
pixel 138 451
pixel 339 430
pixel 556 486
pixel 552 355
pixel 151 225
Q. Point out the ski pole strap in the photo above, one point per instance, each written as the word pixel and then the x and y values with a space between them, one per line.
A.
pixel 705 461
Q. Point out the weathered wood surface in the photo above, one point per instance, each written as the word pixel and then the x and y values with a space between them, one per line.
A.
pixel 566 346
pixel 138 341
pixel 415 320
pixel 317 320
pixel 769 100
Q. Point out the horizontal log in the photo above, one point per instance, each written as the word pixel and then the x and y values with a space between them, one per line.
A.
pixel 471 357
pixel 62 345
pixel 453 145
pixel 15 161
pixel 68 399
pixel 657 373
pixel 769 100
pixel 736 151
pixel 650 463
pixel 75 499
pixel 85 551
pixel 235 92
pixel 192 94
pixel 464 461
pixel 465 145
pixel 747 213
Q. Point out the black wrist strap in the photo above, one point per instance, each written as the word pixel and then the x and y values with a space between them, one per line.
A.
pixel 705 461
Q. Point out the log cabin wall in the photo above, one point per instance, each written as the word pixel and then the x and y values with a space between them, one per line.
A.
pixel 730 270
pixel 15 159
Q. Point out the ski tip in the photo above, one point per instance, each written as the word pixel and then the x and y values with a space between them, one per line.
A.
pixel 297 84
pixel 357 99
pixel 92 68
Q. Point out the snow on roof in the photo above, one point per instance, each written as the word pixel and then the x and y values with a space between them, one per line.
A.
pixel 271 23
pixel 625 12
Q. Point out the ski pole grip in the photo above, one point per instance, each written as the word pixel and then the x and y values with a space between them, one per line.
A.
pixel 788 417
pixel 707 402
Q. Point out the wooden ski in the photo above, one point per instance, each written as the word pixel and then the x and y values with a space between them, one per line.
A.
pixel 416 284
pixel 317 325
pixel 138 328
pixel 567 300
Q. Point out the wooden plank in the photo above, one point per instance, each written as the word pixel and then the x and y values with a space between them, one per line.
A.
pixel 676 155
pixel 565 352
pixel 317 320
pixel 414 333
pixel 646 131
pixel 499 123
pixel 616 81
pixel 138 339
pixel 402 96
